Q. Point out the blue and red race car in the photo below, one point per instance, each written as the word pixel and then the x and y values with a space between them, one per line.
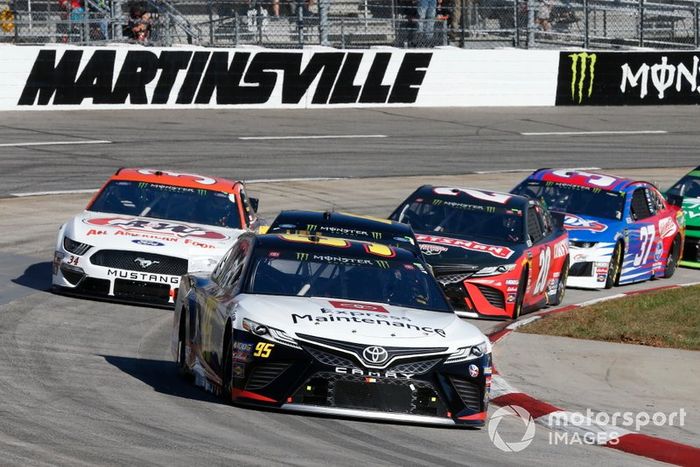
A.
pixel 620 230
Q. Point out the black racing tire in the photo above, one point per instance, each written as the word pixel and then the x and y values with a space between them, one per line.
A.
pixel 672 258
pixel 615 267
pixel 181 363
pixel 520 297
pixel 561 287
pixel 227 370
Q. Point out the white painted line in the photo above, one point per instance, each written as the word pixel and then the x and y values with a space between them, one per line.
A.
pixel 310 137
pixel 574 133
pixel 59 192
pixel 517 324
pixel 54 143
pixel 302 179
pixel 602 299
pixel 513 171
pixel 690 284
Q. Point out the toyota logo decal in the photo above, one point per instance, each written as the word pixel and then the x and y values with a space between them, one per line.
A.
pixel 375 355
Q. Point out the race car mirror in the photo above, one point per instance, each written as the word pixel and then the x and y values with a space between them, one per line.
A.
pixel 254 203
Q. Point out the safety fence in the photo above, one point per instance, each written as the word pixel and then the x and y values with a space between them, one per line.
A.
pixel 356 23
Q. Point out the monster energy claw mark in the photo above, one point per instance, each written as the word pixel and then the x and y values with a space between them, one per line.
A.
pixel 302 256
pixel 580 64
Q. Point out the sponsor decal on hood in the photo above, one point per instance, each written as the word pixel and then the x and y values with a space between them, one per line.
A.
pixel 572 222
pixel 164 227
pixel 358 306
pixel 471 245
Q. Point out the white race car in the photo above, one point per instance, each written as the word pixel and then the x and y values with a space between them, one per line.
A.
pixel 144 229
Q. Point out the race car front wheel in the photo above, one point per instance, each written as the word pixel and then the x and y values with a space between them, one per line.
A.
pixel 614 267
pixel 227 373
pixel 672 259
pixel 561 286
pixel 182 349
pixel 520 298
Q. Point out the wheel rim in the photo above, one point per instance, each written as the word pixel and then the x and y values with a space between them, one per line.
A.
pixel 562 281
pixel 614 263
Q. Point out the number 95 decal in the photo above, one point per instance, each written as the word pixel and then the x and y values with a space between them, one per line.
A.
pixel 263 349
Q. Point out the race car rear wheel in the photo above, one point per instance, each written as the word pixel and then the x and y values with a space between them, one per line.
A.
pixel 672 259
pixel 561 287
pixel 182 349
pixel 614 267
pixel 520 298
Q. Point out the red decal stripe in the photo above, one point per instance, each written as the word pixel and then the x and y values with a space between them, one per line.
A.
pixel 236 393
pixel 476 416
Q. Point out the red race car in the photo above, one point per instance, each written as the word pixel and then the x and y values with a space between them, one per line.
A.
pixel 495 254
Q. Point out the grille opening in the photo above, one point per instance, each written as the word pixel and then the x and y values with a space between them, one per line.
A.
pixel 265 374
pixel 691 249
pixel 455 293
pixel 71 276
pixel 96 286
pixel 370 396
pixel 468 392
pixel 142 262
pixel 493 296
pixel 137 290
pixel 584 269
pixel 313 392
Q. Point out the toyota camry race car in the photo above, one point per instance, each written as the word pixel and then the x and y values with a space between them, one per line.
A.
pixel 344 225
pixel 331 326
pixel 686 192
pixel 620 230
pixel 495 254
pixel 144 229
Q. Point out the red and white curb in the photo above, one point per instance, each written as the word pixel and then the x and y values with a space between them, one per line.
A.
pixel 601 434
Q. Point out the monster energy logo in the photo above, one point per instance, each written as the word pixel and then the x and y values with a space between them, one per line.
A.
pixel 490 209
pixel 437 202
pixel 376 235
pixel 383 264
pixel 582 68
pixel 302 256
pixel 311 227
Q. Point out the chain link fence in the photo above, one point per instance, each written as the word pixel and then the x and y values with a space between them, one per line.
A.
pixel 356 23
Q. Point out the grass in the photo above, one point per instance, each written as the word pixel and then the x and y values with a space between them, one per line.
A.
pixel 667 318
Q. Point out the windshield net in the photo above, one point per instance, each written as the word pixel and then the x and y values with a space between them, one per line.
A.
pixel 575 199
pixel 168 202
pixel 351 278
pixel 462 218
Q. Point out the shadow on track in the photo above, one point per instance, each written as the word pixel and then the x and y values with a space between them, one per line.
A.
pixel 162 376
pixel 37 276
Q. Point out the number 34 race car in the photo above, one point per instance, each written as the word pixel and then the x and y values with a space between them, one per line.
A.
pixel 144 229
pixel 620 230
pixel 331 326
pixel 495 254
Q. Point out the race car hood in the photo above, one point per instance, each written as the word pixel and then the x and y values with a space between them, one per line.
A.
pixel 359 322
pixel 591 229
pixel 471 253
pixel 144 234
pixel 691 210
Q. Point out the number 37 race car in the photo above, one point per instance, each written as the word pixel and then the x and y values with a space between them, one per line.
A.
pixel 331 326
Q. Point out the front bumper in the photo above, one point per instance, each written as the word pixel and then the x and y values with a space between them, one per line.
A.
pixel 589 266
pixel 80 276
pixel 691 252
pixel 317 380
pixel 491 297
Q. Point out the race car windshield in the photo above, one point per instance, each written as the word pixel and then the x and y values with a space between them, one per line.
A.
pixel 575 199
pixel 447 215
pixel 368 279
pixel 687 186
pixel 168 202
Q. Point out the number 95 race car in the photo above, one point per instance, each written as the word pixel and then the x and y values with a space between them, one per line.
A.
pixel 144 229
pixel 331 326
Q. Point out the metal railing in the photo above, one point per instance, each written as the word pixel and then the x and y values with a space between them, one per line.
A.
pixel 358 23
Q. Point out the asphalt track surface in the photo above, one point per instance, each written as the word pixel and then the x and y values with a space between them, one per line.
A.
pixel 86 382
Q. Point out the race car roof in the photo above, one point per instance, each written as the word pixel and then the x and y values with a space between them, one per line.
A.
pixel 478 196
pixel 332 246
pixel 583 178
pixel 354 225
pixel 181 179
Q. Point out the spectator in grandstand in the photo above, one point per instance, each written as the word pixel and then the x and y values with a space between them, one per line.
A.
pixel 426 21
pixel 139 27
pixel 544 12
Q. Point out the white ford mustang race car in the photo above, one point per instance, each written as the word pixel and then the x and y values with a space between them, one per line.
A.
pixel 144 229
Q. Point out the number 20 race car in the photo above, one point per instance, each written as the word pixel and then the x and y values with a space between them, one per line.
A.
pixel 331 326
pixel 620 230
pixel 495 254
pixel 144 229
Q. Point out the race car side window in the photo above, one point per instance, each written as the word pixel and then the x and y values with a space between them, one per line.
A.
pixel 640 205
pixel 656 200
pixel 534 225
pixel 218 270
pixel 234 267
